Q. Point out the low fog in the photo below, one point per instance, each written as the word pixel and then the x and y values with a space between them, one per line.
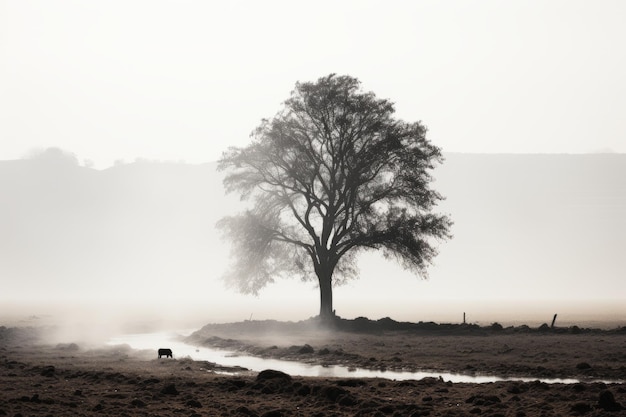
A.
pixel 134 247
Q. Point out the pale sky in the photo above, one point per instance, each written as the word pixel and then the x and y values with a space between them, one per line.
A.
pixel 183 80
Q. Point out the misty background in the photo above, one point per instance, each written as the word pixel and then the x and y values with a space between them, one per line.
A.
pixel 526 99
pixel 534 235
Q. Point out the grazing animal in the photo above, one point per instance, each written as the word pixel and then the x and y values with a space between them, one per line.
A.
pixel 165 352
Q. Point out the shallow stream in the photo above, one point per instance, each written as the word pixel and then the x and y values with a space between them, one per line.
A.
pixel 154 341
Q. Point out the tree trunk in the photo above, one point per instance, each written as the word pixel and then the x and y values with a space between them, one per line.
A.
pixel 326 295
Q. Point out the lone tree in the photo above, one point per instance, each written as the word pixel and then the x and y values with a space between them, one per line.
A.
pixel 332 174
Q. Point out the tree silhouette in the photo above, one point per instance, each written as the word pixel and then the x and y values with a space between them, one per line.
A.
pixel 332 174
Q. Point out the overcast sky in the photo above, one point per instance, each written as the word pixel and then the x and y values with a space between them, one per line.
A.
pixel 183 80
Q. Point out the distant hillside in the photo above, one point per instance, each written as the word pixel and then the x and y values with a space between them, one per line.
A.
pixel 519 219
pixel 77 229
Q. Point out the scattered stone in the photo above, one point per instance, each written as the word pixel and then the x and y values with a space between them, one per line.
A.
pixel 581 408
pixel 538 385
pixel 607 401
pixel 353 382
pixel 238 383
pixel 304 390
pixel 169 389
pixel 514 389
pixel 496 327
pixel 193 403
pixel 347 400
pixel 274 413
pixel 116 395
pixel 151 381
pixel 272 374
pixel 72 347
pixel 137 403
pixel 245 411
pixel 332 392
pixel 483 400
pixel 271 381
pixel 306 349
pixel 583 365
pixel 544 328
pixel 48 371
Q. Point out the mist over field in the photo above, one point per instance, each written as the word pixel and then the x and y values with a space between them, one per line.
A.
pixel 114 277
pixel 136 245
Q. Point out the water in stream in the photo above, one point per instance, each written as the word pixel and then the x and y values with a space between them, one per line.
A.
pixel 154 341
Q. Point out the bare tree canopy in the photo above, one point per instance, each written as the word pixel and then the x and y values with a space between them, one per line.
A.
pixel 332 174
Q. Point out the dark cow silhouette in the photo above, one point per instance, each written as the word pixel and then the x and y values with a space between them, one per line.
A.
pixel 165 352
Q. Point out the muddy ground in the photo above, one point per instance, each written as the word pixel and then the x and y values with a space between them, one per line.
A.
pixel 37 379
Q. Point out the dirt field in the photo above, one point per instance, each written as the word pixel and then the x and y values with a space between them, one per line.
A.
pixel 67 379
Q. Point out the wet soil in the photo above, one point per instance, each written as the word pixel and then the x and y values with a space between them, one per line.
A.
pixel 68 379
pixel 587 354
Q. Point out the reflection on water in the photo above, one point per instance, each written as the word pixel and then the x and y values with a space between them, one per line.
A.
pixel 154 341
